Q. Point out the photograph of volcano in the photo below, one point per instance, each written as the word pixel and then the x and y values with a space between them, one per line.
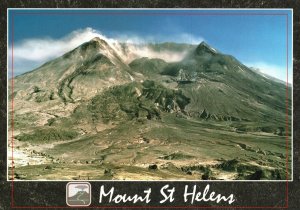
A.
pixel 149 95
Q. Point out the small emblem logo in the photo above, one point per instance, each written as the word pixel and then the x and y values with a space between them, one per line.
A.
pixel 78 194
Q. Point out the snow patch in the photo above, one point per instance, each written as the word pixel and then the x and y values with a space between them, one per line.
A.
pixel 213 49
pixel 132 79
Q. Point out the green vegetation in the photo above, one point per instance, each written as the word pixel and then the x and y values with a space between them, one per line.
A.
pixel 46 135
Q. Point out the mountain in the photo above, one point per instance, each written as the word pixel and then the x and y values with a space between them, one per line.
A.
pixel 221 87
pixel 80 198
pixel 204 49
pixel 104 103
pixel 76 75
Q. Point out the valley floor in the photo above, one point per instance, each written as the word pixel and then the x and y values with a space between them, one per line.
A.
pixel 171 149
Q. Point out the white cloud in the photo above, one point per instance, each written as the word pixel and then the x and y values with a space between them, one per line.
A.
pixel 279 72
pixel 45 48
pixel 177 38
pixel 187 38
pixel 31 53
pixel 138 51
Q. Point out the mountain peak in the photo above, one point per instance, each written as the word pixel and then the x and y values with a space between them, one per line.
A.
pixel 94 44
pixel 96 38
pixel 203 43
pixel 204 48
pixel 99 40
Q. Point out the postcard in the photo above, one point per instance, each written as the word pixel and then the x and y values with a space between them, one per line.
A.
pixel 143 108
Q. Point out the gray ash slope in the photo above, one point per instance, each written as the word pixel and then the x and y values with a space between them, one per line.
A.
pixel 220 87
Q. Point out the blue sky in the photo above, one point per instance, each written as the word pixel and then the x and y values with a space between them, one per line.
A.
pixel 257 40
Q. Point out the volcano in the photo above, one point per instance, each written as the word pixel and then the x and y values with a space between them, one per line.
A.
pixel 207 116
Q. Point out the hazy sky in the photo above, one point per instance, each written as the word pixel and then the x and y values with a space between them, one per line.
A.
pixel 258 38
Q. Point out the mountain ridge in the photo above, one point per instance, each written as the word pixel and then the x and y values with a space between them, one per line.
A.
pixel 95 65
